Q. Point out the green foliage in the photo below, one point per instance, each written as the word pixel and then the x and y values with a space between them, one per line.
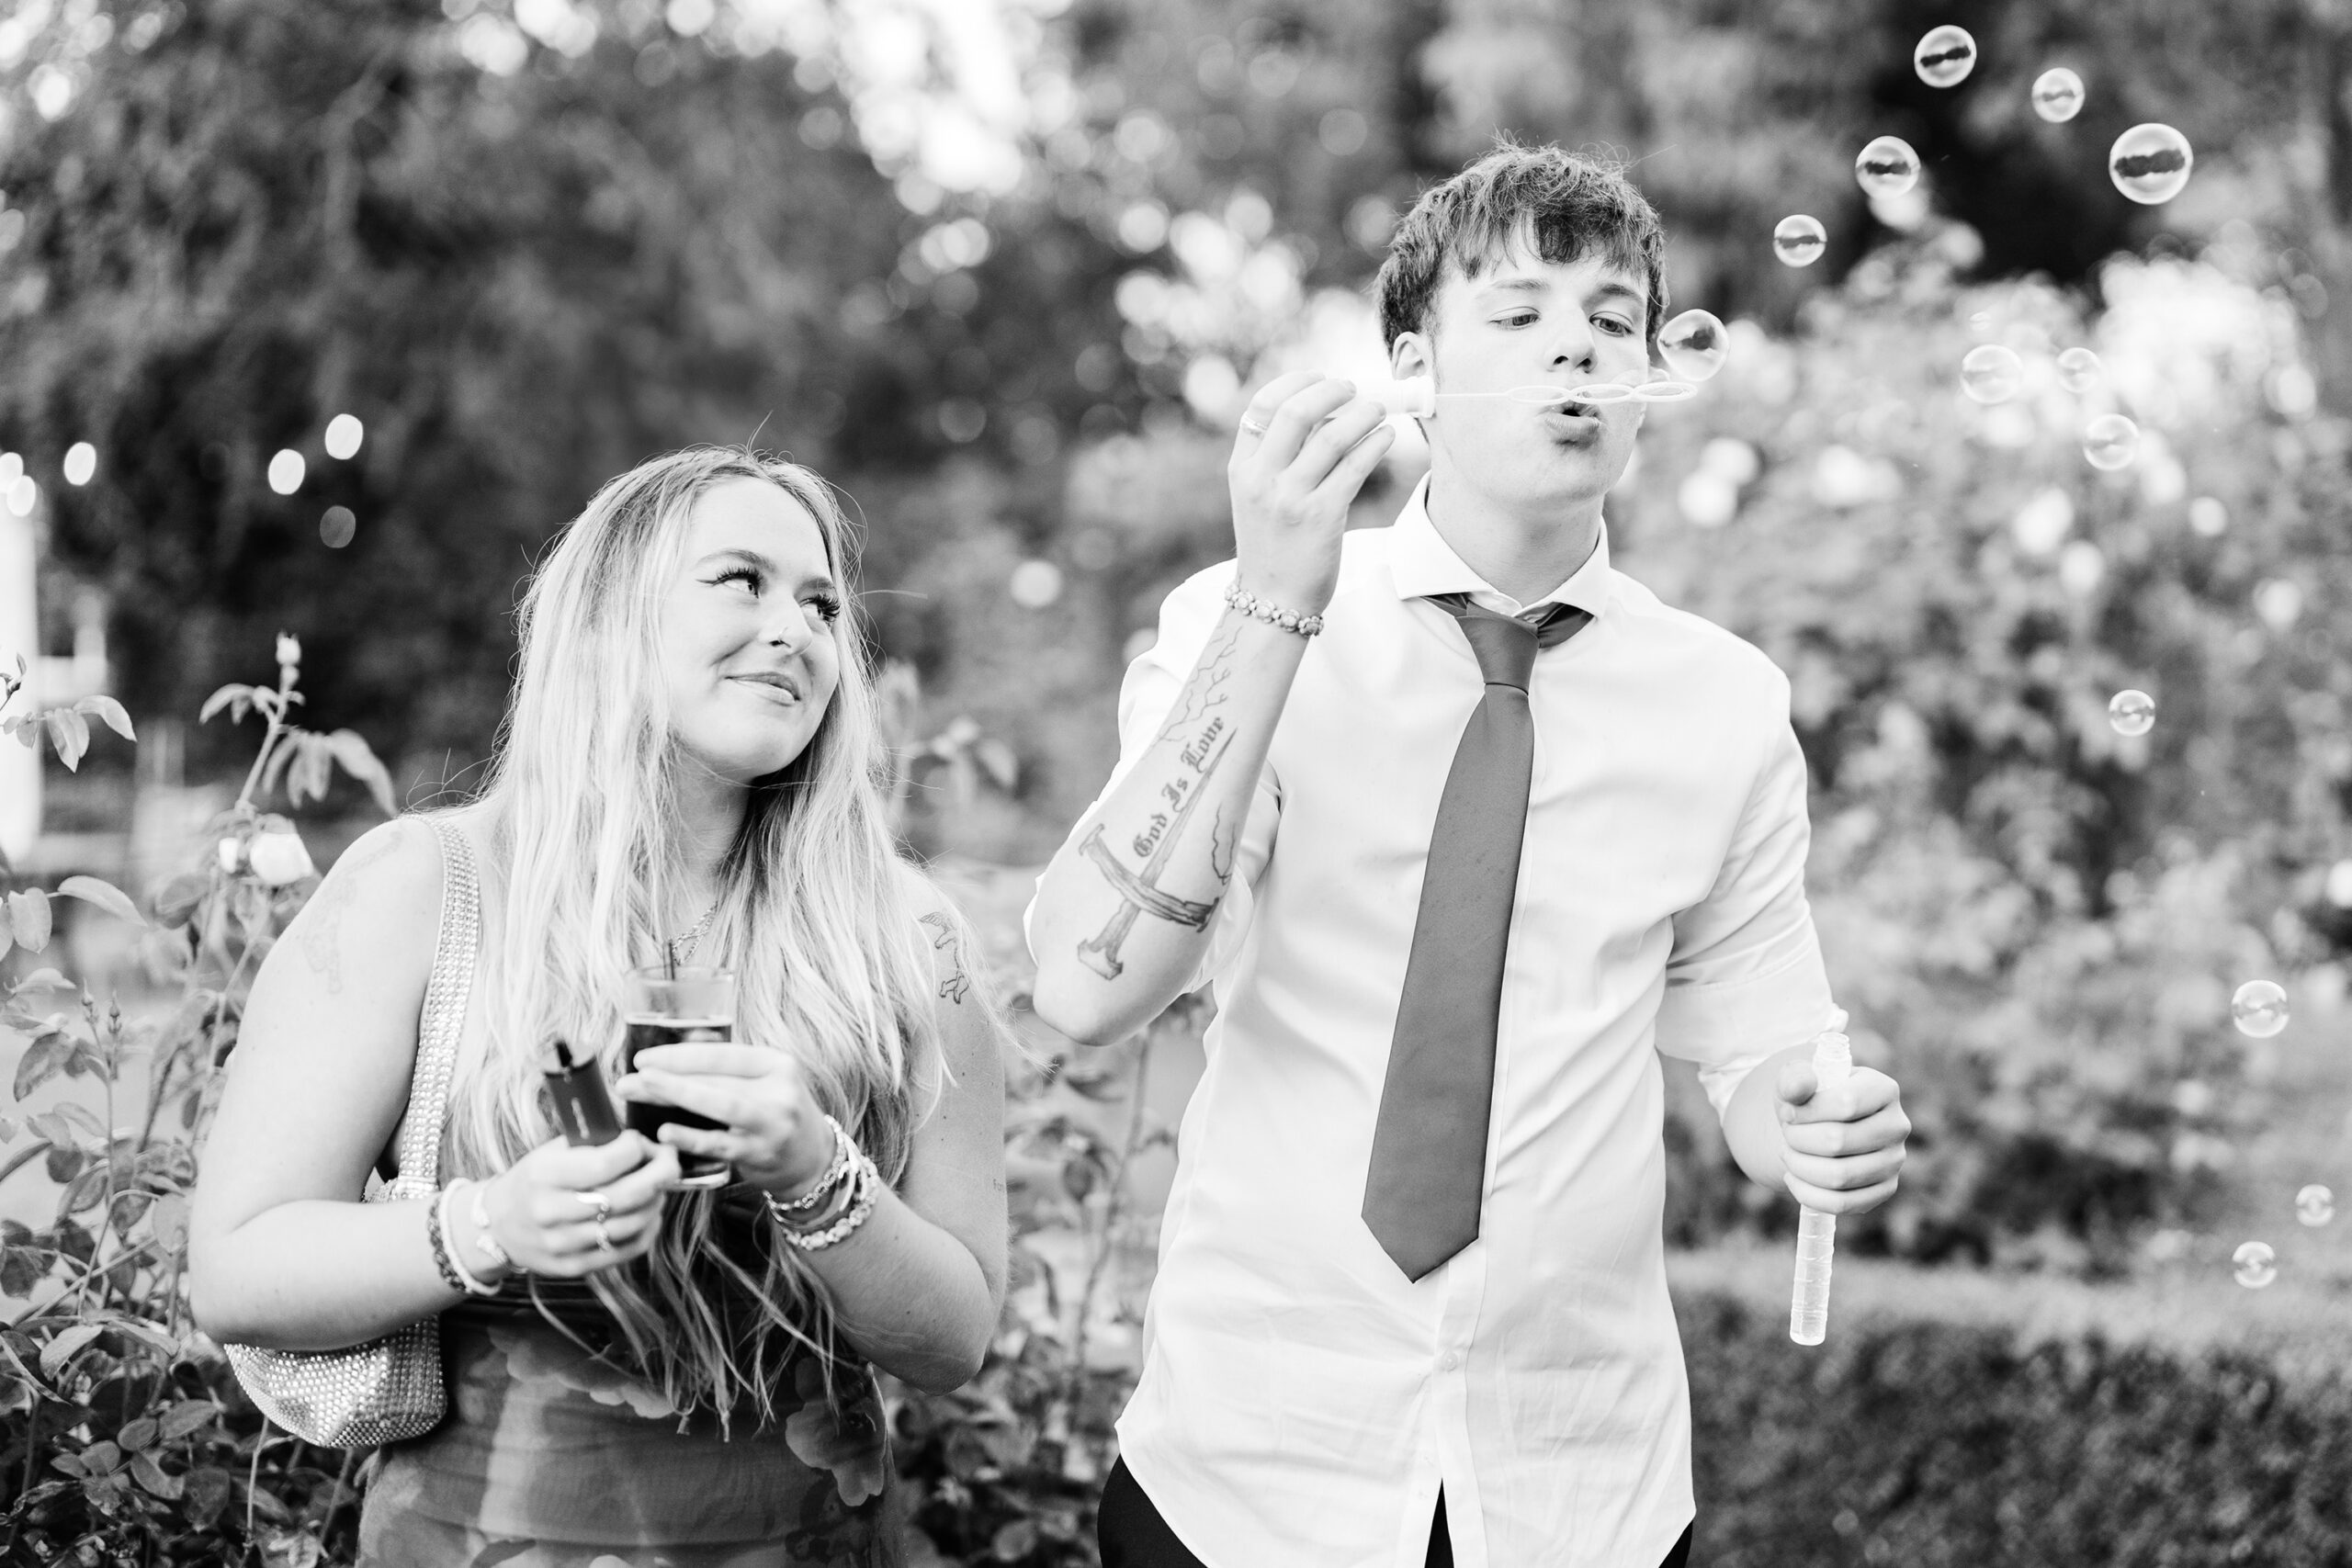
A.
pixel 1931 1444
pixel 123 1436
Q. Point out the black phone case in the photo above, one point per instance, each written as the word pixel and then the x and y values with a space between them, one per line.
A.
pixel 581 1105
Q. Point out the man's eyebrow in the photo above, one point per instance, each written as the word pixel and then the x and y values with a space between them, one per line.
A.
pixel 1611 288
pixel 1520 285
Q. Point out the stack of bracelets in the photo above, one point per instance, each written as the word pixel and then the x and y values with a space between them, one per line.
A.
pixel 837 1206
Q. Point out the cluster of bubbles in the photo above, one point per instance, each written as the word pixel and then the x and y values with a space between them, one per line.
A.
pixel 2150 164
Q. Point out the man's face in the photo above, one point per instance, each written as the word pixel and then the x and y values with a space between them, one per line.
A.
pixel 1524 322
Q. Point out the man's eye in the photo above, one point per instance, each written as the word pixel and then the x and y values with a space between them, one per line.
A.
pixel 1516 319
pixel 1618 326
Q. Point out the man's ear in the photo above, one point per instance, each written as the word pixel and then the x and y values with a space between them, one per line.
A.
pixel 1411 355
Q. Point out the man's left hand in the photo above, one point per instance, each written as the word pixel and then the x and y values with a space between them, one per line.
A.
pixel 1842 1145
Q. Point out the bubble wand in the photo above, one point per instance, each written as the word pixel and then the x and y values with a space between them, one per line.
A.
pixel 1416 396
pixel 1833 1058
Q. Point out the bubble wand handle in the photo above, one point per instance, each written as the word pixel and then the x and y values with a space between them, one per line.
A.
pixel 1833 1058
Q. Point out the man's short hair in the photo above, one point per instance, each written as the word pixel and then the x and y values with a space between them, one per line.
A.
pixel 1576 204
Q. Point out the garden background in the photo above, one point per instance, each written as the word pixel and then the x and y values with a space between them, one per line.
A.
pixel 1003 269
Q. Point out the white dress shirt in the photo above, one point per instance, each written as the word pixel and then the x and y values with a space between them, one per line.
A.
pixel 1301 1402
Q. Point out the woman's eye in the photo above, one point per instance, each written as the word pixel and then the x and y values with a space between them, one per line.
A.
pixel 742 574
pixel 828 607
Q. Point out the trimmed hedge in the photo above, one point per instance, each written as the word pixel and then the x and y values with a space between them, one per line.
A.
pixel 1930 1443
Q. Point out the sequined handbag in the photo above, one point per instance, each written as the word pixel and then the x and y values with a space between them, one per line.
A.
pixel 390 1388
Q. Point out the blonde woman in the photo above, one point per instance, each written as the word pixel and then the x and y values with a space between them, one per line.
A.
pixel 653 1375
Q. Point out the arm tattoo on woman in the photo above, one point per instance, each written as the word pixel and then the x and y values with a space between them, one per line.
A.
pixel 957 983
pixel 323 942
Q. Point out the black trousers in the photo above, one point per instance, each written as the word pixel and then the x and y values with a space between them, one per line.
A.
pixel 1132 1534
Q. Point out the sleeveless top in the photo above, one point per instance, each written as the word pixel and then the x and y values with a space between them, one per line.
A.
pixel 554 1454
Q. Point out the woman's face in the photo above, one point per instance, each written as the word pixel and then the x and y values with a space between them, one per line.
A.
pixel 750 631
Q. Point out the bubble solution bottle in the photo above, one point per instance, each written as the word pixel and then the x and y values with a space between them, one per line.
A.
pixel 1833 1058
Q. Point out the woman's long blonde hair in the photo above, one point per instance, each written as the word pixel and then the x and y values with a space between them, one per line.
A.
pixel 579 815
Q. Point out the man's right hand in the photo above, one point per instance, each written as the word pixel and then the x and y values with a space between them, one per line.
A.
pixel 1292 485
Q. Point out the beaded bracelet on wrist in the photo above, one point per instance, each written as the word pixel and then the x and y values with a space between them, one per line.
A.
pixel 863 1187
pixel 465 1280
pixel 1289 620
pixel 815 1196
pixel 433 1233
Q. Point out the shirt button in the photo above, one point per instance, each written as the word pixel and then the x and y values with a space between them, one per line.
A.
pixel 1448 1361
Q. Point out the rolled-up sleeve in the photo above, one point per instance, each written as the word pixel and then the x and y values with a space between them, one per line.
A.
pixel 1155 679
pixel 1745 978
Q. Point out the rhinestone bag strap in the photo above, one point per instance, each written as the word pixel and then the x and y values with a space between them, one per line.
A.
pixel 445 997
pixel 390 1388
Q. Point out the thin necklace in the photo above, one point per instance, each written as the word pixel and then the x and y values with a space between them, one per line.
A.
pixel 682 947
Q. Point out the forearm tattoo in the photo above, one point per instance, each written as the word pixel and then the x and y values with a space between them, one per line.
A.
pixel 1207 739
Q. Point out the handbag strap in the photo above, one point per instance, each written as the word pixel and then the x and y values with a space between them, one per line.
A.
pixel 444 1022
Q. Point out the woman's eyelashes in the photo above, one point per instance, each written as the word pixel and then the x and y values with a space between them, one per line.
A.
pixel 829 605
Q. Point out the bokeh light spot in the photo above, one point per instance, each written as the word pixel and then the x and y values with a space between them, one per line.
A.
pixel 286 471
pixel 80 463
pixel 337 526
pixel 344 434
pixel 2255 1264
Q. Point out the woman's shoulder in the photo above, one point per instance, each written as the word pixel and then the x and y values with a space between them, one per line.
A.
pixel 384 892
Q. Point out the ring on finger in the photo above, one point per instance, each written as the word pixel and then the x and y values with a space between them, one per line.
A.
pixel 603 1237
pixel 1252 426
pixel 597 1201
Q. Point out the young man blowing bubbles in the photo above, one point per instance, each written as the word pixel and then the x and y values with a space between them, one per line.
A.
pixel 1456 880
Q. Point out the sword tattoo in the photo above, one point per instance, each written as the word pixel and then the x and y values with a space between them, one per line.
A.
pixel 1140 894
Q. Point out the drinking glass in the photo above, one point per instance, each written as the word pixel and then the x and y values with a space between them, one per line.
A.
pixel 672 1007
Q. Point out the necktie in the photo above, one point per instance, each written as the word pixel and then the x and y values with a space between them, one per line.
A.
pixel 1429 1149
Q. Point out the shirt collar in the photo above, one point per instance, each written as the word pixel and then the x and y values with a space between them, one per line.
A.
pixel 1422 563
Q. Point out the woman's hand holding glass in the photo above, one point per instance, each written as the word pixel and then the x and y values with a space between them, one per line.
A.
pixel 567 1209
pixel 775 1135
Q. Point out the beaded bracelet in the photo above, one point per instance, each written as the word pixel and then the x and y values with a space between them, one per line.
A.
pixel 865 1184
pixel 465 1280
pixel 1289 620
pixel 433 1233
pixel 839 1169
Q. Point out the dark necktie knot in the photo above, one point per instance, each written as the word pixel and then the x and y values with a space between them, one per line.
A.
pixel 1506 646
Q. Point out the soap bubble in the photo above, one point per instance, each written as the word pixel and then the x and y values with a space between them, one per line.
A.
pixel 81 462
pixel 337 526
pixel 1799 240
pixel 2315 1205
pixel 2057 95
pixel 1887 167
pixel 2132 713
pixel 344 435
pixel 2259 1008
pixel 2078 369
pixel 1693 346
pixel 286 471
pixel 2256 1265
pixel 1945 56
pixel 1991 374
pixel 2110 442
pixel 2150 163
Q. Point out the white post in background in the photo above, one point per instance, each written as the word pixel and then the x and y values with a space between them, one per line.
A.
pixel 20 634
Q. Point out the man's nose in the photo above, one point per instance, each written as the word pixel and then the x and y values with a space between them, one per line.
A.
pixel 1574 347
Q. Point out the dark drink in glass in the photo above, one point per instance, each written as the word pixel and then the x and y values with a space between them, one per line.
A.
pixel 677 1008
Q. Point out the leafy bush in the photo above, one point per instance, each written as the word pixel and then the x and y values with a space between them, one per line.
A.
pixel 123 1435
pixel 1928 1443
